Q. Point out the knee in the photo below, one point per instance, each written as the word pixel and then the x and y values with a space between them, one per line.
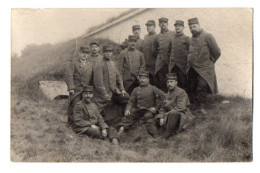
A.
pixel 174 114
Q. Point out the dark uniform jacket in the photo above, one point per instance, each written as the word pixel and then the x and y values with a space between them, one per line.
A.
pixel 179 53
pixel 150 51
pixel 130 62
pixel 94 59
pixel 107 79
pixel 139 45
pixel 85 115
pixel 163 46
pixel 145 97
pixel 176 101
pixel 203 53
pixel 79 75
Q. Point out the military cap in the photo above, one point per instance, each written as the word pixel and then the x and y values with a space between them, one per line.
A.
pixel 87 88
pixel 171 76
pixel 84 49
pixel 179 22
pixel 131 38
pixel 163 19
pixel 108 48
pixel 143 73
pixel 150 22
pixel 94 42
pixel 136 27
pixel 193 21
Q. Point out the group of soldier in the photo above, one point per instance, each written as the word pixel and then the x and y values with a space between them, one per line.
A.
pixel 151 83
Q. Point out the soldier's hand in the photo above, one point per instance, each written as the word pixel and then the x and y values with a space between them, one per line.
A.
pixel 71 92
pixel 127 113
pixel 94 127
pixel 123 93
pixel 107 97
pixel 153 109
pixel 104 133
pixel 162 122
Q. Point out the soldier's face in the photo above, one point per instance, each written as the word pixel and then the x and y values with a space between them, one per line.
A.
pixel 94 48
pixel 150 28
pixel 143 80
pixel 132 44
pixel 179 28
pixel 83 55
pixel 137 32
pixel 194 29
pixel 171 84
pixel 163 25
pixel 87 96
pixel 108 54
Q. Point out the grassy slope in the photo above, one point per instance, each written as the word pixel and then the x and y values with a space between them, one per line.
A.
pixel 39 133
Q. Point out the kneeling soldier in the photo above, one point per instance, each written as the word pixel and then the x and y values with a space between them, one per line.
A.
pixel 174 114
pixel 145 100
pixel 87 120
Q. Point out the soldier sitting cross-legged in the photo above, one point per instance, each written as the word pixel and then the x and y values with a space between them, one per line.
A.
pixel 143 104
pixel 87 120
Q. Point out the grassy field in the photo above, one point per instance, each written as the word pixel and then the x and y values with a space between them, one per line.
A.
pixel 39 134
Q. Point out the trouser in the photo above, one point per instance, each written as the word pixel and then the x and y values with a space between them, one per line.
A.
pixel 172 124
pixel 71 105
pixel 143 116
pixel 181 78
pixel 96 133
pixel 197 88
pixel 161 78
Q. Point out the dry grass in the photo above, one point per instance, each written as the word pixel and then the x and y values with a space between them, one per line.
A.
pixel 39 134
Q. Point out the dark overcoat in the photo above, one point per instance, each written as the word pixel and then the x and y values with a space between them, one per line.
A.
pixel 150 51
pixel 130 62
pixel 203 53
pixel 163 46
pixel 179 53
pixel 85 115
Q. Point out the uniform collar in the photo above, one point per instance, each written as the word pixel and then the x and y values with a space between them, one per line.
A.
pixel 178 34
pixel 145 85
pixel 82 60
pixel 94 55
pixel 151 33
pixel 166 30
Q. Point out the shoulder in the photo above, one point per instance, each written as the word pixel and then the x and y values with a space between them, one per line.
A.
pixel 181 92
pixel 136 90
pixel 79 105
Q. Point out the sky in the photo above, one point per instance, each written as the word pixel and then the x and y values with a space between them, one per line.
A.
pixel 39 26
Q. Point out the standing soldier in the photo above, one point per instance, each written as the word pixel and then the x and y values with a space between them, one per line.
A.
pixel 144 102
pixel 87 120
pixel 180 50
pixel 95 57
pixel 108 81
pixel 79 73
pixel 203 54
pixel 130 62
pixel 174 114
pixel 163 46
pixel 139 42
pixel 149 48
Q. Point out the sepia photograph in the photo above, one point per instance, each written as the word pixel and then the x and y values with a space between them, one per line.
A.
pixel 131 85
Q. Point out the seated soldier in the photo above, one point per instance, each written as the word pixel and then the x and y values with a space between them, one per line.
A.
pixel 145 100
pixel 87 120
pixel 174 114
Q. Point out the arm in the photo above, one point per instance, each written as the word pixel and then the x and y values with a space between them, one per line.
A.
pixel 142 62
pixel 78 117
pixel 181 103
pixel 119 80
pixel 69 76
pixel 213 47
pixel 98 79
pixel 100 121
pixel 132 100
pixel 159 97
pixel 120 63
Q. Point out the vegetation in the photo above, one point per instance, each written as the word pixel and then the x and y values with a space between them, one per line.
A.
pixel 39 132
